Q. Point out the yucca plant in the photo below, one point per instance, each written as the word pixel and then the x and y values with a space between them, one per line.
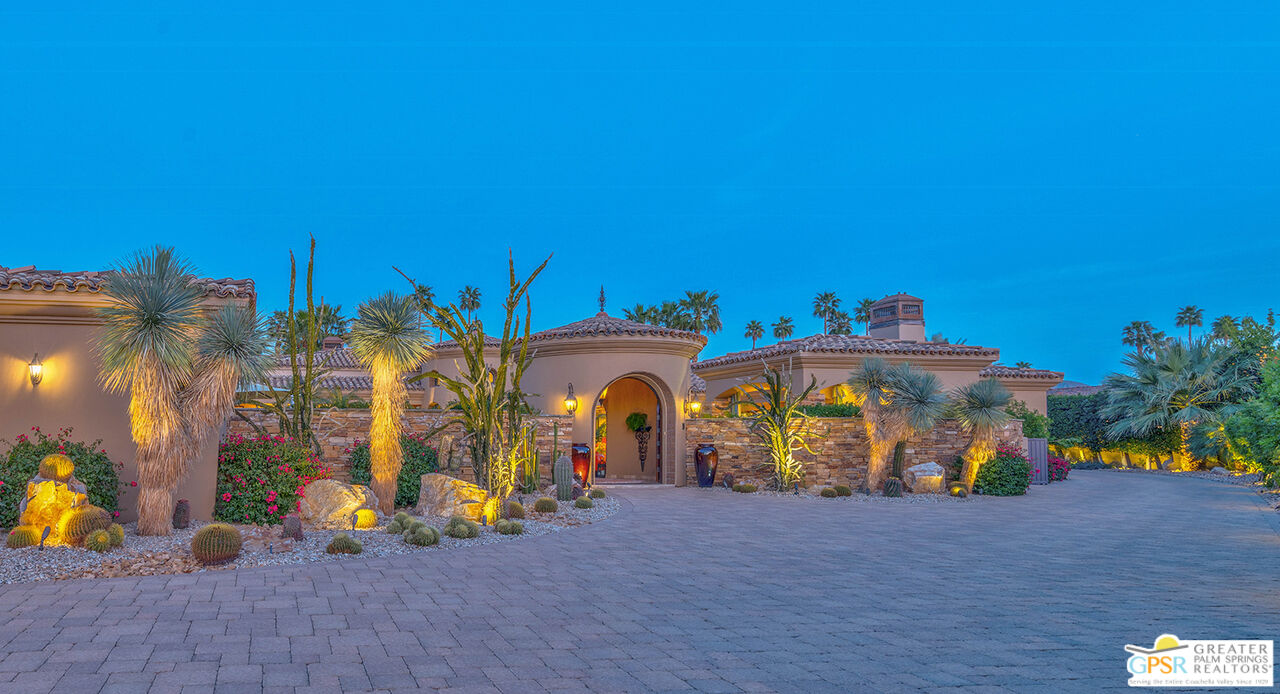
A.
pixel 871 386
pixel 780 425
pixel 916 402
pixel 979 407
pixel 231 349
pixel 388 339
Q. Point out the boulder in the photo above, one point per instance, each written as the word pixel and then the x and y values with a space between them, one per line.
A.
pixel 444 496
pixel 47 500
pixel 1219 470
pixel 330 504
pixel 925 478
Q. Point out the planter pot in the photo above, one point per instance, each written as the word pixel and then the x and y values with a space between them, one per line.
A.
pixel 705 459
pixel 581 462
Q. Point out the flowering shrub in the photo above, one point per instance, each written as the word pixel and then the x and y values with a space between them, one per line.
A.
pixel 100 475
pixel 419 459
pixel 1058 469
pixel 1007 474
pixel 263 479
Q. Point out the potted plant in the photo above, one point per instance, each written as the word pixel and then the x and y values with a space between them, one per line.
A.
pixel 638 423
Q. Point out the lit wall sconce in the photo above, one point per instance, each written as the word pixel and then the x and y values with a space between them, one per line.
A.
pixel 36 367
pixel 692 405
pixel 571 401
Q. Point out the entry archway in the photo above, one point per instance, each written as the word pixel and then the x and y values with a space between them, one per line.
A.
pixel 616 449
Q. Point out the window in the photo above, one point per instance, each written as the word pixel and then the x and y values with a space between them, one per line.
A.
pixel 911 309
pixel 885 312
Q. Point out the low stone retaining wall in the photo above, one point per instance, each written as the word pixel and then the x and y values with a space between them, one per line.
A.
pixel 340 430
pixel 840 444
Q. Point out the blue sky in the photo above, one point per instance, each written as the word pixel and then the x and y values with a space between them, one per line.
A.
pixel 1040 176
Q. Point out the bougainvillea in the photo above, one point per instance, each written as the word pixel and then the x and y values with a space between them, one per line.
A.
pixel 1007 474
pixel 419 459
pixel 263 479
pixel 101 476
pixel 1058 468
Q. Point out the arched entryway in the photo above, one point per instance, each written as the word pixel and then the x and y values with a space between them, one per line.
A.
pixel 619 454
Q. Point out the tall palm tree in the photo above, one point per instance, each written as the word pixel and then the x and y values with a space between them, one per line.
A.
pixel 640 313
pixel 840 324
pixel 916 402
pixel 1190 317
pixel 979 407
pixel 1142 336
pixel 755 331
pixel 1022 365
pixel 824 306
pixel 674 315
pixel 469 300
pixel 703 309
pixel 388 340
pixel 1225 329
pixel 862 314
pixel 871 386
pixel 783 328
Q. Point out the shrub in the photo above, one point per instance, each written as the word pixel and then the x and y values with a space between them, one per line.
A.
pixel 461 528
pixel 261 480
pixel 1090 465
pixel 116 532
pixel 419 459
pixel 1007 474
pixel 23 536
pixel 828 493
pixel 584 502
pixel 829 410
pixel 216 543
pixel 98 473
pixel 1034 424
pixel 1058 469
pixel 744 488
pixel 343 543
pixel 597 493
pixel 98 541
pixel 842 490
pixel 365 519
pixel 546 505
pixel 515 509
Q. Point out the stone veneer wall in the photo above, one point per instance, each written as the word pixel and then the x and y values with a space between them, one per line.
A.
pixel 339 430
pixel 841 452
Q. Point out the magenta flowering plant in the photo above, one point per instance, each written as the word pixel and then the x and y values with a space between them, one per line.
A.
pixel 1007 474
pixel 262 479
pixel 1058 468
pixel 100 474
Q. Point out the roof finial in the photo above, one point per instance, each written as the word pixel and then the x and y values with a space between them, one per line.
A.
pixel 601 299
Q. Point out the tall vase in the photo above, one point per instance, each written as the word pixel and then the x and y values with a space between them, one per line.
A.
pixel 706 458
pixel 582 462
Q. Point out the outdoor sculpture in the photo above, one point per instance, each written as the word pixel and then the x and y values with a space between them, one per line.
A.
pixel 51 494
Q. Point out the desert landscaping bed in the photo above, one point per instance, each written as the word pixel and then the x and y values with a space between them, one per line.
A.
pixel 812 495
pixel 263 546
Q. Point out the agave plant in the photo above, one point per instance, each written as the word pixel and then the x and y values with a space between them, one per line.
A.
pixel 979 407
pixel 388 339
pixel 783 428
pixel 871 386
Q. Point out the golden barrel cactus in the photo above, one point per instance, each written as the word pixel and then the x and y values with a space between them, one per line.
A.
pixel 216 543
pixel 78 522
pixel 57 466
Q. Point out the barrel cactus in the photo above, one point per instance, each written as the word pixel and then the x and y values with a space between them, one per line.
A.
pixel 828 493
pixel 98 541
pixel 292 527
pixel 424 536
pixel 394 528
pixel 366 518
pixel 744 488
pixel 461 528
pixel 57 466
pixel 842 490
pixel 343 543
pixel 546 505
pixel 23 536
pixel 515 509
pixel 893 487
pixel 76 523
pixel 509 527
pixel 598 493
pixel 216 543
pixel 402 518
pixel 584 502
pixel 116 532
pixel 562 475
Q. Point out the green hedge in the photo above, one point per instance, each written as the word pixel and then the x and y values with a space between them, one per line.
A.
pixel 419 459
pixel 828 410
pixel 99 474
pixel 1077 420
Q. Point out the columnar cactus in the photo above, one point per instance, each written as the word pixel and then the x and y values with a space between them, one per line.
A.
pixel 57 466
pixel 78 522
pixel 23 536
pixel 216 543
pixel 98 541
pixel 343 543
pixel 562 475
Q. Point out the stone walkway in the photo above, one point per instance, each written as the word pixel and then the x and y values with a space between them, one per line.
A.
pixel 690 590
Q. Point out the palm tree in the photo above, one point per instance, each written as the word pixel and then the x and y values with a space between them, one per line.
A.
pixel 979 407
pixel 1176 385
pixel 824 305
pixel 916 402
pixel 871 385
pixel 640 313
pixel 754 332
pixel 469 300
pixel 1190 317
pixel 330 321
pixel 783 328
pixel 863 313
pixel 1225 329
pixel 1142 336
pixel 841 324
pixel 1022 365
pixel 674 315
pixel 388 340
pixel 703 309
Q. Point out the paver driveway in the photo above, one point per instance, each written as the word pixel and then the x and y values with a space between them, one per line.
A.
pixel 691 590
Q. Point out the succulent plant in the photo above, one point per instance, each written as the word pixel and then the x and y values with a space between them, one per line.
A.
pixel 57 466
pixel 584 502
pixel 828 493
pixel 116 531
pixel 893 487
pixel 181 514
pixel 546 505
pixel 343 543
pixel 415 525
pixel 744 488
pixel 76 523
pixel 598 493
pixel 562 475
pixel 216 543
pixel 958 489
pixel 510 527
pixel 842 490
pixel 366 518
pixel 98 541
pixel 515 509
pixel 23 536
pixel 292 527
pixel 501 525
pixel 395 528
pixel 461 528
pixel 403 518
pixel 423 537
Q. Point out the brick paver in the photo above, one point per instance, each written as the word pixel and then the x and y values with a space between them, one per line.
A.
pixel 690 591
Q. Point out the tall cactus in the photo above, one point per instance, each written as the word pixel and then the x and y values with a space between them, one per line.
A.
pixel 562 475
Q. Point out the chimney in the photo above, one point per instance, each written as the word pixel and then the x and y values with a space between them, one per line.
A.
pixel 898 317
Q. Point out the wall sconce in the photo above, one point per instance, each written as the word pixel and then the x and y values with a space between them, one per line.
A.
pixel 571 401
pixel 692 405
pixel 36 367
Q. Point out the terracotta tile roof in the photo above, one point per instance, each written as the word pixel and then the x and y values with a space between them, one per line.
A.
pixel 602 324
pixel 341 383
pixel 846 344
pixel 339 358
pixel 698 384
pixel 29 279
pixel 1001 371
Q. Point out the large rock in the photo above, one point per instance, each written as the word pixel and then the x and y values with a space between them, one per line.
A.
pixel 444 496
pixel 1220 471
pixel 925 478
pixel 45 502
pixel 331 504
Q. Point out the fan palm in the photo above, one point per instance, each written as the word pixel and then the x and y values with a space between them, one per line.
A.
pixel 1225 329
pixel 979 407
pixel 1190 317
pixel 674 315
pixel 862 314
pixel 1142 336
pixel 469 300
pixel 703 309
pixel 388 341
pixel 916 402
pixel 840 324
pixel 871 386
pixel 783 328
pixel 640 313
pixel 755 331
pixel 824 305
pixel 1022 365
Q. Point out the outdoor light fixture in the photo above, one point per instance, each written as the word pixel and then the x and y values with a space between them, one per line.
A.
pixel 692 404
pixel 36 367
pixel 571 401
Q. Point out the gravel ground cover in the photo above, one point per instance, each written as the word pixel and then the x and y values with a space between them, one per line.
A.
pixel 263 546
pixel 812 496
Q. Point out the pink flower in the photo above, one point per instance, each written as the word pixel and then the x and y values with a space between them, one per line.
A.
pixel 272 509
pixel 226 496
pixel 133 483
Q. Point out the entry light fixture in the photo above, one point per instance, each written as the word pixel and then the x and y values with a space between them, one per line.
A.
pixel 692 404
pixel 571 401
pixel 36 367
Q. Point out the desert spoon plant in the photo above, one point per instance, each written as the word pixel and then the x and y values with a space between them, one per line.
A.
pixel 980 408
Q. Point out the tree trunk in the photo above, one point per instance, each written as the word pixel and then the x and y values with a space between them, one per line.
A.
pixel 155 511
